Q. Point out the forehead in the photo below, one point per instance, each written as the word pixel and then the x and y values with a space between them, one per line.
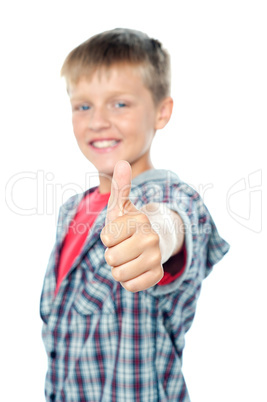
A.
pixel 119 76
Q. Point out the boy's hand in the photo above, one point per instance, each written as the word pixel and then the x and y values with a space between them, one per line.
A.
pixel 133 249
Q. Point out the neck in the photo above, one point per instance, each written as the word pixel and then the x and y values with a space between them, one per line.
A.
pixel 104 184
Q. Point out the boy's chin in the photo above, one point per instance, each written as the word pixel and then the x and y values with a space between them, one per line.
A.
pixel 105 171
pixel 106 167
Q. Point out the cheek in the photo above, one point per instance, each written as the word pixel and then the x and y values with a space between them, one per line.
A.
pixel 146 122
pixel 77 127
pixel 134 126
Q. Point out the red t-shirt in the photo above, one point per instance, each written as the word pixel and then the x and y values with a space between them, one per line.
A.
pixel 87 212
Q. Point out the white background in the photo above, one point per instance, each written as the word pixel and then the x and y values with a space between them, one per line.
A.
pixel 214 141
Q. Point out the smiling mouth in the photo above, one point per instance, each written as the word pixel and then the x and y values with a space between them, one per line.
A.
pixel 104 144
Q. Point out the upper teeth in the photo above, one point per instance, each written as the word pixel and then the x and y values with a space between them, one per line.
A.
pixel 104 143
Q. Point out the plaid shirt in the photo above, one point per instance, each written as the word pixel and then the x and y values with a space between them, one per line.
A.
pixel 107 344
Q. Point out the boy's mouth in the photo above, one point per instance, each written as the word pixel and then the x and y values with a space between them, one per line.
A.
pixel 101 144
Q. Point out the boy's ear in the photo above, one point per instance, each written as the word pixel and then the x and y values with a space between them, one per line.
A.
pixel 164 112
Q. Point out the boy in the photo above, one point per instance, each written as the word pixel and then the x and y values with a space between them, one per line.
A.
pixel 123 279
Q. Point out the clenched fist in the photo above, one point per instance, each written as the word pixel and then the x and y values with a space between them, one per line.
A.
pixel 133 247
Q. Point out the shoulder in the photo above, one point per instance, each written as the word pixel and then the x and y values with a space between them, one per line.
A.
pixel 153 186
pixel 160 176
pixel 162 186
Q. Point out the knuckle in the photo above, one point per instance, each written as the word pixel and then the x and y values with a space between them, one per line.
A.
pixel 156 276
pixel 143 219
pixel 158 256
pixel 148 243
pixel 159 275
pixel 155 258
pixel 109 257
pixel 154 238
pixel 117 275
pixel 130 286
pixel 104 237
pixel 150 240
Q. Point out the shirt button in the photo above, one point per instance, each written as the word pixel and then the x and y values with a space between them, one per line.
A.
pixel 52 397
pixel 53 354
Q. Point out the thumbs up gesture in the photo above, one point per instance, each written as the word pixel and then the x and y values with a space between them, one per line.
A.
pixel 133 249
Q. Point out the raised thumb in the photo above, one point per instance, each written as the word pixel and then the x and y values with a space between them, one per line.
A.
pixel 120 190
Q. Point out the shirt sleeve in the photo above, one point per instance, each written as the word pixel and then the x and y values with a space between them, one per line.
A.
pixel 203 245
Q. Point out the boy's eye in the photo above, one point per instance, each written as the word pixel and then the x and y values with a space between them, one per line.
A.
pixel 120 105
pixel 83 107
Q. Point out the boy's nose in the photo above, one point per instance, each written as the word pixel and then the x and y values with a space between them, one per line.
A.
pixel 98 120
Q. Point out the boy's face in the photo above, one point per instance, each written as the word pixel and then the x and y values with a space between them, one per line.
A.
pixel 114 118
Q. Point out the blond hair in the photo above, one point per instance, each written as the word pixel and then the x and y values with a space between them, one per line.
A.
pixel 122 46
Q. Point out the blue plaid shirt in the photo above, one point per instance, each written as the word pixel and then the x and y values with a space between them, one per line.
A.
pixel 107 344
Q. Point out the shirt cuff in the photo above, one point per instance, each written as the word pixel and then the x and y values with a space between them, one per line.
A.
pixel 174 267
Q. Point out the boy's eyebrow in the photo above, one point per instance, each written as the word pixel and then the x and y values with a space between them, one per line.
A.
pixel 111 94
